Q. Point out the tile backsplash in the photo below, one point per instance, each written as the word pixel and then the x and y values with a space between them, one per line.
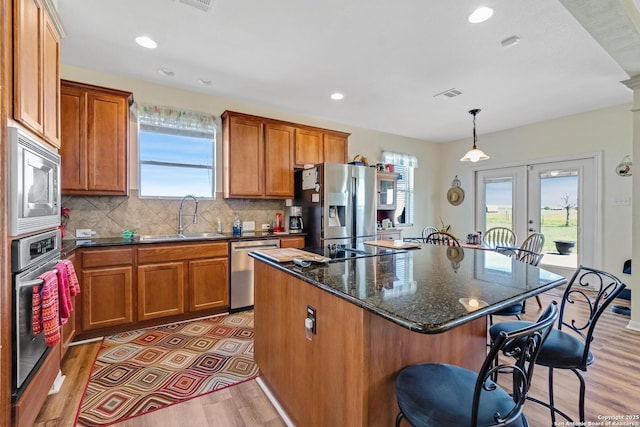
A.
pixel 108 216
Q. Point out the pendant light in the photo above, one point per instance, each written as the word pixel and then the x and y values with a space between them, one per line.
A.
pixel 475 154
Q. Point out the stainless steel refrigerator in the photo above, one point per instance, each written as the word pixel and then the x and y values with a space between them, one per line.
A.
pixel 338 204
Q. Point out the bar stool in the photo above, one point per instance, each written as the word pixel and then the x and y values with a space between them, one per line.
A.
pixel 568 345
pixel 437 394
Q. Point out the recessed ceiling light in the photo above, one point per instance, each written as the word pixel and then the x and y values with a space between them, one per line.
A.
pixel 204 82
pixel 337 96
pixel 145 41
pixel 165 72
pixel 481 14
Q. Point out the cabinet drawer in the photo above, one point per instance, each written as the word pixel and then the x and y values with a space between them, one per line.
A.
pixel 167 253
pixel 107 257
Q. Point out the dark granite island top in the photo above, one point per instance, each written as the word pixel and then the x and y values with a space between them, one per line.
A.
pixel 428 290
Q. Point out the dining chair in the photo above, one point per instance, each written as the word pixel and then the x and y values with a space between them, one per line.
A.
pixel 428 230
pixel 534 242
pixel 438 394
pixel 425 233
pixel 568 345
pixel 500 236
pixel 442 238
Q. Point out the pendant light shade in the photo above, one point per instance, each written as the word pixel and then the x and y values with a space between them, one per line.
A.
pixel 475 154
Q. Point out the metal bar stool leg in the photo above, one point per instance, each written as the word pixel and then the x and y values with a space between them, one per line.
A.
pixel 582 393
pixel 551 403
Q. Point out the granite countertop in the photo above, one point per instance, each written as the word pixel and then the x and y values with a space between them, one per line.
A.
pixel 428 290
pixel 70 245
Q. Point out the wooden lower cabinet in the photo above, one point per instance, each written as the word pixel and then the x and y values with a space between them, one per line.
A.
pixel 292 242
pixel 181 278
pixel 208 284
pixel 160 290
pixel 137 286
pixel 107 288
pixel 26 409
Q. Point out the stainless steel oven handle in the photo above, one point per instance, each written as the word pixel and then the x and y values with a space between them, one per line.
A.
pixel 28 283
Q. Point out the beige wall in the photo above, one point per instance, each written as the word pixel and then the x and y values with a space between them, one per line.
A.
pixel 608 131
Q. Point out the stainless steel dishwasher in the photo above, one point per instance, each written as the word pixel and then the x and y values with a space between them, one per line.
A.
pixel 242 270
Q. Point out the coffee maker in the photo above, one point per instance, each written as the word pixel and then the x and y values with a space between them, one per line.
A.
pixel 295 219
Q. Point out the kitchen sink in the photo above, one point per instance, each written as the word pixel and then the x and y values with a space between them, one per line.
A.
pixel 185 236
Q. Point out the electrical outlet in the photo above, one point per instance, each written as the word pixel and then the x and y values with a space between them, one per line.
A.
pixel 266 227
pixel 311 315
pixel 85 233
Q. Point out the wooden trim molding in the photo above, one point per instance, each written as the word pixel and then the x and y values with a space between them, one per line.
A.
pixel 6 67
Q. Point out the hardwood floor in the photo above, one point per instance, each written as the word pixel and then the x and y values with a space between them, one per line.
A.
pixel 613 382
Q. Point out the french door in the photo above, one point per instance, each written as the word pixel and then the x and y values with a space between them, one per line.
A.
pixel 557 198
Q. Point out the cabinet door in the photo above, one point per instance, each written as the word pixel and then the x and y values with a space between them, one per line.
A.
pixel 278 154
pixel 334 148
pixel 51 82
pixel 27 59
pixel 292 242
pixel 208 284
pixel 160 290
pixel 387 186
pixel 107 143
pixel 243 157
pixel 308 147
pixel 107 297
pixel 73 133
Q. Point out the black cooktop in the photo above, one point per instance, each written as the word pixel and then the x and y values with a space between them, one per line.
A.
pixel 342 252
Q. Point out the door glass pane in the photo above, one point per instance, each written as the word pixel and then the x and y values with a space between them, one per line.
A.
pixel 498 203
pixel 559 217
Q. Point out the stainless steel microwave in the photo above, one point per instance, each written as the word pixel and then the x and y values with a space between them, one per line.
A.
pixel 34 186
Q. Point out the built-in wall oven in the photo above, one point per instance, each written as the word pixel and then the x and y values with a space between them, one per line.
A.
pixel 30 257
pixel 34 186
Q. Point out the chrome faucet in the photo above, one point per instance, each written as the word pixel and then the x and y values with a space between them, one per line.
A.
pixel 195 212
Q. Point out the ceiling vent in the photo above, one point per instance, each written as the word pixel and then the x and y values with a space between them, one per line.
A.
pixel 450 93
pixel 204 5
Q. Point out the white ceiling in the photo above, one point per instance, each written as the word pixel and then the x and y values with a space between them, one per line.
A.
pixel 389 59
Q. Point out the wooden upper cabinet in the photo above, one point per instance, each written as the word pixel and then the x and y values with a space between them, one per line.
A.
pixel 51 82
pixel 278 155
pixel 257 157
pixel 335 148
pixel 243 156
pixel 36 65
pixel 95 139
pixel 308 147
pixel 260 154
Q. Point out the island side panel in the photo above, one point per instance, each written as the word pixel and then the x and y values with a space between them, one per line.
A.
pixel 317 382
pixel 346 374
pixel 392 347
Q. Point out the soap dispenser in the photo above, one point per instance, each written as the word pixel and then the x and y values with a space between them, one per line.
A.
pixel 237 225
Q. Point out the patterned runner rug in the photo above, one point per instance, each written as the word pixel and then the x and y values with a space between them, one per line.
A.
pixel 141 371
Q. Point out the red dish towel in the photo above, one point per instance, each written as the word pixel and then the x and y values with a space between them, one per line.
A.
pixel 74 286
pixel 64 295
pixel 50 316
pixel 36 309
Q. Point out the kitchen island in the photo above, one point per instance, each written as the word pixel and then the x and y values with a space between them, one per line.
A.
pixel 374 316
